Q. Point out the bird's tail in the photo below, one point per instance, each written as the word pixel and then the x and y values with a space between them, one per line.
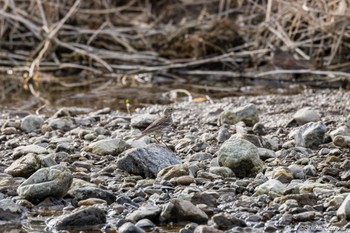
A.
pixel 138 137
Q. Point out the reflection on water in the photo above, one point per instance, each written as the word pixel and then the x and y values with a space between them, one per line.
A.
pixel 100 93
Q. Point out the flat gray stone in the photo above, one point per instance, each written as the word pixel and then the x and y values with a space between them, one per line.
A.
pixel 181 210
pixel 46 182
pixel 148 211
pixel 147 161
pixel 306 115
pixel 248 114
pixel 108 147
pixel 143 120
pixel 91 192
pixel 24 166
pixel 23 150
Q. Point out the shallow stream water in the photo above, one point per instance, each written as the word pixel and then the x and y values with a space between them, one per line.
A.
pixel 50 96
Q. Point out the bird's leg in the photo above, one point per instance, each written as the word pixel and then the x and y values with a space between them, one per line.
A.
pixel 155 138
pixel 160 141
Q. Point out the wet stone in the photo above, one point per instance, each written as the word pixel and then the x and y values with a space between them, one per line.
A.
pixel 207 229
pixel 9 210
pixel 90 192
pixel 148 211
pixel 145 224
pixel 83 216
pixel 285 220
pixel 208 198
pixel 130 228
pixel 297 171
pixel 181 210
pixel 265 154
pixel 91 202
pixel 226 222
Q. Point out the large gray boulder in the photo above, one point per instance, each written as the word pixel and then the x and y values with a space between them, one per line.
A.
pixel 241 156
pixel 147 161
pixel 46 182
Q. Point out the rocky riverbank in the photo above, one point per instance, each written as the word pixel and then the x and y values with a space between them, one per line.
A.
pixel 266 163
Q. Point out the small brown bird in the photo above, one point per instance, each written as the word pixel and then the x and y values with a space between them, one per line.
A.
pixel 286 61
pixel 159 126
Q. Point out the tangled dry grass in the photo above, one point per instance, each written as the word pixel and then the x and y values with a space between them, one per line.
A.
pixel 109 37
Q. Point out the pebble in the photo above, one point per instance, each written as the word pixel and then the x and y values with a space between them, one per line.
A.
pixel 270 187
pixel 223 134
pixel 342 141
pixel 222 171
